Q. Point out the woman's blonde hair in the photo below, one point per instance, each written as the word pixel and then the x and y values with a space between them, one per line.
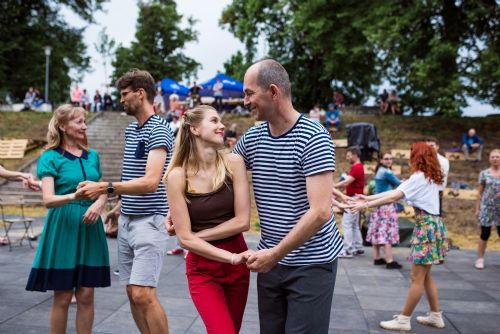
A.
pixel 495 151
pixel 186 152
pixel 62 116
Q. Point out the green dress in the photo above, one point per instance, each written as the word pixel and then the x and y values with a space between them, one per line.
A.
pixel 70 254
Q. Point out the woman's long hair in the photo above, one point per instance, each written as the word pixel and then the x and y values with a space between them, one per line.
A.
pixel 423 158
pixel 186 152
pixel 62 116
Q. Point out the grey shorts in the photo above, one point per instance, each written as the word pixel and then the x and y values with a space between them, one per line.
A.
pixel 142 243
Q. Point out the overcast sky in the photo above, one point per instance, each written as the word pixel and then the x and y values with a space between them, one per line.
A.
pixel 215 45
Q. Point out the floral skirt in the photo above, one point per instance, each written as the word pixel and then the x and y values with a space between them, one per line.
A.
pixel 384 225
pixel 429 240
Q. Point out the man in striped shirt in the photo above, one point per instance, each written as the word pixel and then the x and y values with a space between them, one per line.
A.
pixel 142 234
pixel 292 160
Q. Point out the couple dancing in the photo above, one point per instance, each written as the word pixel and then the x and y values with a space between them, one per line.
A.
pixel 292 160
pixel 209 199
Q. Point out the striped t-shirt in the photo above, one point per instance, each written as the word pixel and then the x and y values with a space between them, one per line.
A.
pixel 139 140
pixel 279 167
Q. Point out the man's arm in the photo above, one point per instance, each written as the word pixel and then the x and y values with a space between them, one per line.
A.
pixel 345 182
pixel 319 195
pixel 145 184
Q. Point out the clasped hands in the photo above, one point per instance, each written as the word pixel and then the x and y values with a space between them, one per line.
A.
pixel 30 182
pixel 357 203
pixel 260 261
pixel 354 204
pixel 90 190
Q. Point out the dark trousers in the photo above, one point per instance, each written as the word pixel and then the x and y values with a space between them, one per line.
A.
pixel 296 299
pixel 218 103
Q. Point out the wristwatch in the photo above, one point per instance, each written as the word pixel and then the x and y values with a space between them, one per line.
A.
pixel 110 188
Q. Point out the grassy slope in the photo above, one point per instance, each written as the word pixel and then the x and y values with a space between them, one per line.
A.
pixel 25 125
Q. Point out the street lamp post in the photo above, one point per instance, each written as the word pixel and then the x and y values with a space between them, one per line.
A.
pixel 47 50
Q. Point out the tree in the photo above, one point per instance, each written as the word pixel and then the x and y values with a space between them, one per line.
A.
pixel 314 40
pixel 236 66
pixel 159 43
pixel 25 28
pixel 105 47
pixel 435 52
pixel 438 52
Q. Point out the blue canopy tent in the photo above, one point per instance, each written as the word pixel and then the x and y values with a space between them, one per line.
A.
pixel 168 86
pixel 230 87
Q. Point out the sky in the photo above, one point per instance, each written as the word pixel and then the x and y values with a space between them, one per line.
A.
pixel 215 45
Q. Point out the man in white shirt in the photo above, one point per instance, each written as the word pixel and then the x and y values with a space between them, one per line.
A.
pixel 445 167
pixel 173 101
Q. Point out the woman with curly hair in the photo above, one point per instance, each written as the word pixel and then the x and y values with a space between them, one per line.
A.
pixel 429 240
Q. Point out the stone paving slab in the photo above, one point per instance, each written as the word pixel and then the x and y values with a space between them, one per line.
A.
pixel 364 295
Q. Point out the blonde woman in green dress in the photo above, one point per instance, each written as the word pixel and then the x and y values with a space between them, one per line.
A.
pixel 72 256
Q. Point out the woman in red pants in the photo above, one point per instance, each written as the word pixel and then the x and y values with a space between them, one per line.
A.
pixel 209 202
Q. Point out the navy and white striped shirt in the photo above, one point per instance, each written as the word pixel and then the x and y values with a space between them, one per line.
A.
pixel 153 134
pixel 279 167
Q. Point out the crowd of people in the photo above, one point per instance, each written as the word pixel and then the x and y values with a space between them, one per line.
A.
pixel 390 103
pixel 81 98
pixel 33 99
pixel 201 194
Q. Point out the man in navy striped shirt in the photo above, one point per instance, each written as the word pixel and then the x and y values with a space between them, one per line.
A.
pixel 292 160
pixel 142 235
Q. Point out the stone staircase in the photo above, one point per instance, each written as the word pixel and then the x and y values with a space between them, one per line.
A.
pixel 105 134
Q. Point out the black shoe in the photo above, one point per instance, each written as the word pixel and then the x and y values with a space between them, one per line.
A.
pixel 359 252
pixel 393 265
pixel 33 238
pixel 379 262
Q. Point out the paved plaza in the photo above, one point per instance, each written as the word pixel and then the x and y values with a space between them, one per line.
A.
pixel 364 295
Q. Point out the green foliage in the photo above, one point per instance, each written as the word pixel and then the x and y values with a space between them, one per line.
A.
pixel 436 53
pixel 314 40
pixel 236 66
pixel 159 43
pixel 25 28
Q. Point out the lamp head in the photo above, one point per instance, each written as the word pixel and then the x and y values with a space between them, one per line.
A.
pixel 47 50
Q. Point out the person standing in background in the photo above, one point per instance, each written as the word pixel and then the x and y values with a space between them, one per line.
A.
pixel 354 185
pixel 488 204
pixel 217 89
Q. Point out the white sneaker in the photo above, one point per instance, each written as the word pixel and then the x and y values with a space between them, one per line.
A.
pixel 433 319
pixel 398 323
pixel 479 264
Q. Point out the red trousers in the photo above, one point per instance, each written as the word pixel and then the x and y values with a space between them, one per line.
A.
pixel 219 290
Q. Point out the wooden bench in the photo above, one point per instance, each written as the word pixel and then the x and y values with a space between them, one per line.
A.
pixel 13 148
pixel 370 169
pixel 454 156
pixel 465 194
pixel 408 212
pixel 340 143
pixel 401 154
